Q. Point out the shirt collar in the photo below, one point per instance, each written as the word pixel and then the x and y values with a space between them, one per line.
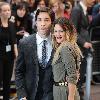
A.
pixel 83 7
pixel 40 40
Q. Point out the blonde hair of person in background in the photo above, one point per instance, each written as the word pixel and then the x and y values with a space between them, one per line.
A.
pixel 58 7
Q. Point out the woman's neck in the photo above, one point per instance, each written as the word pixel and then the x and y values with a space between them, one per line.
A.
pixel 4 22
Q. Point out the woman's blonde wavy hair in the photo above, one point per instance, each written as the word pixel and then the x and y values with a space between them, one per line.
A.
pixel 70 31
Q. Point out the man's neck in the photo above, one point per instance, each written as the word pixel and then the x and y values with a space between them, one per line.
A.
pixel 44 36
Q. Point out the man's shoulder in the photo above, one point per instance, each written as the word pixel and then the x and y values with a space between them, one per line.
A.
pixel 77 8
pixel 29 39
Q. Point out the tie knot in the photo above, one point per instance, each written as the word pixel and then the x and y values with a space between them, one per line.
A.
pixel 44 41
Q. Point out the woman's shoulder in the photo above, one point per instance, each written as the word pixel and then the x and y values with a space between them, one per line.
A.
pixel 67 45
pixel 69 48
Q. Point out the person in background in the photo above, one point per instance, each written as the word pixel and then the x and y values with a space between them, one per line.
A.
pixel 66 60
pixel 79 17
pixel 13 4
pixel 23 21
pixel 8 48
pixel 58 7
pixel 69 4
pixel 96 9
pixel 33 73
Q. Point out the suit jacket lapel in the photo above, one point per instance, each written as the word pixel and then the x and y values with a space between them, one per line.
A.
pixel 34 48
pixel 85 17
pixel 34 54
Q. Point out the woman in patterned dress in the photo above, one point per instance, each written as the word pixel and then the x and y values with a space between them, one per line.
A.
pixel 66 61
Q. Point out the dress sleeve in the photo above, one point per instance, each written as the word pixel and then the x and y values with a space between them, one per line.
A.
pixel 70 65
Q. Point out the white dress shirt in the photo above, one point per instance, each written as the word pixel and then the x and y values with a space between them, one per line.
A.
pixel 83 7
pixel 39 41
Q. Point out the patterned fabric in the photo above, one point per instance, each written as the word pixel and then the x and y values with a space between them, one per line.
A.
pixel 44 54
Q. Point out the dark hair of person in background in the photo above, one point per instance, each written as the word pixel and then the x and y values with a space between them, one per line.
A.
pixel 21 5
pixel 36 3
pixel 71 1
pixel 69 4
pixel 23 22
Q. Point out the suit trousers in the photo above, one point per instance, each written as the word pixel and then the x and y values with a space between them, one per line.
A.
pixel 41 93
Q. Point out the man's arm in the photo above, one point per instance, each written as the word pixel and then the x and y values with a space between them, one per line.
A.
pixel 20 72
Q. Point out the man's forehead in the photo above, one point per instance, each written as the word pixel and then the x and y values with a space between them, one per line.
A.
pixel 43 15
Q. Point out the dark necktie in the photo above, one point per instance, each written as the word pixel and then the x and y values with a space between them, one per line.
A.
pixel 44 54
pixel 87 17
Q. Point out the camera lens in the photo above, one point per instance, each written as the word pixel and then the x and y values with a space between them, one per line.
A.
pixel 67 6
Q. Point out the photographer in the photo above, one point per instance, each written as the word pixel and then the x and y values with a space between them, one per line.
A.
pixel 68 8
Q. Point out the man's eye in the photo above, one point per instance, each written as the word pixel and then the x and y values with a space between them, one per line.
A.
pixel 55 31
pixel 46 20
pixel 38 19
pixel 60 31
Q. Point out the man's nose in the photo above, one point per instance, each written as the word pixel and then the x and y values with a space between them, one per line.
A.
pixel 43 23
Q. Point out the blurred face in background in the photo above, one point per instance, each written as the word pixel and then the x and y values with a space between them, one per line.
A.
pixel 59 34
pixel 21 12
pixel 55 6
pixel 68 7
pixel 90 3
pixel 41 4
pixel 5 11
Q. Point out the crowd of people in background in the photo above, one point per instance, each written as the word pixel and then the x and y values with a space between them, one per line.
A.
pixel 62 27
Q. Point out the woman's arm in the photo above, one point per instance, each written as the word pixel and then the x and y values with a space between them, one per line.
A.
pixel 71 87
pixel 15 50
pixel 70 66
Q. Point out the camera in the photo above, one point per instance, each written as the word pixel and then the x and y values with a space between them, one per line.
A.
pixel 67 6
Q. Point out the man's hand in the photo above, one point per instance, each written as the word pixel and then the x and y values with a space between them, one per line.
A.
pixel 87 45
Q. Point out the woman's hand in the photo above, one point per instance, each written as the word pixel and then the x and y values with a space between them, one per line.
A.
pixel 78 75
pixel 72 90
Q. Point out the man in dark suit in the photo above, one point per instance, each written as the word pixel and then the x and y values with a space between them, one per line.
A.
pixel 33 75
pixel 81 22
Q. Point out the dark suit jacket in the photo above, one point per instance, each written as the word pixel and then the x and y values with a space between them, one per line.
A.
pixel 95 21
pixel 27 70
pixel 81 23
pixel 95 28
pixel 96 9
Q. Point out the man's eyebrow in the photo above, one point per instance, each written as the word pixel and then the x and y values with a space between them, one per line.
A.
pixel 44 18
